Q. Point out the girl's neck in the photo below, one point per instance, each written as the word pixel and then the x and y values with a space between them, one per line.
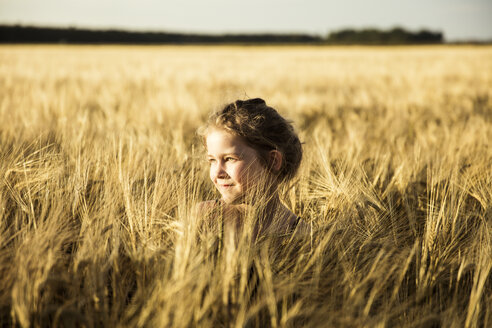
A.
pixel 272 217
pixel 269 215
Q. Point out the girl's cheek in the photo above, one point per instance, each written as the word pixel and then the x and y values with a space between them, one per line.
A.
pixel 212 172
pixel 238 173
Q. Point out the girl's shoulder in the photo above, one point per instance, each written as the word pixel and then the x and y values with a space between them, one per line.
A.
pixel 301 228
pixel 291 225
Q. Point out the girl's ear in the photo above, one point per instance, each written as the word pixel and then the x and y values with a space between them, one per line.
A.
pixel 276 159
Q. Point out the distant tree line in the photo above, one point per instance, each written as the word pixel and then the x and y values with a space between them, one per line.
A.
pixel 374 36
pixel 33 34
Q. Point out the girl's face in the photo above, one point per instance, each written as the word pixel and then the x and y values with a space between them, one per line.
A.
pixel 234 166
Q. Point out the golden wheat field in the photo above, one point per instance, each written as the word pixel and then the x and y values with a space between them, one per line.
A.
pixel 101 170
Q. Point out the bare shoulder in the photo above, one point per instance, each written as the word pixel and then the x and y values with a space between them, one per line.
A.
pixel 302 228
pixel 292 225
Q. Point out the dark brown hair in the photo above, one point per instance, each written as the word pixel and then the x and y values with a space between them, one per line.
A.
pixel 263 129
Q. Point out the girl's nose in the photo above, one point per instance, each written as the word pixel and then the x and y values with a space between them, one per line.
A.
pixel 221 172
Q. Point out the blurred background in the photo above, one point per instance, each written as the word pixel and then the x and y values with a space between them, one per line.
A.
pixel 189 21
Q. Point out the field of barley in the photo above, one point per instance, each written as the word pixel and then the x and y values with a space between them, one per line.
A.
pixel 101 170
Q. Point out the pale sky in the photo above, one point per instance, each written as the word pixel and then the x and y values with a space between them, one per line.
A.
pixel 458 19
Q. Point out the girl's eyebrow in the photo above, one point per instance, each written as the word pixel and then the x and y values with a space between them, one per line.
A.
pixel 226 154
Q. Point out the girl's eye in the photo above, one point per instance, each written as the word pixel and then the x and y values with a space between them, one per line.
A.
pixel 230 159
pixel 211 160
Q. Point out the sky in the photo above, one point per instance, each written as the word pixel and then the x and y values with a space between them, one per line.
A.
pixel 457 19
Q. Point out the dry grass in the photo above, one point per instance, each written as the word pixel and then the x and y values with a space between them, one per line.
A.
pixel 100 171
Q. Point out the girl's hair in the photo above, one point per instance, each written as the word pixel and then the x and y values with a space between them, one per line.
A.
pixel 263 129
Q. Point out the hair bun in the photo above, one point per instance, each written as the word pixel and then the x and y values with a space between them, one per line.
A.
pixel 253 101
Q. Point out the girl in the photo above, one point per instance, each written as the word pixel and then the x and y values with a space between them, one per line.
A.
pixel 251 150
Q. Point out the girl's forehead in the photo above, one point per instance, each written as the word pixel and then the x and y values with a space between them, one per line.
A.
pixel 221 140
pixel 222 136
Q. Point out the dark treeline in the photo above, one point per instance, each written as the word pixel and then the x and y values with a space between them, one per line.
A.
pixel 33 34
pixel 394 36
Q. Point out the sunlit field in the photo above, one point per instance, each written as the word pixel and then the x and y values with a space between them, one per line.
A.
pixel 101 170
